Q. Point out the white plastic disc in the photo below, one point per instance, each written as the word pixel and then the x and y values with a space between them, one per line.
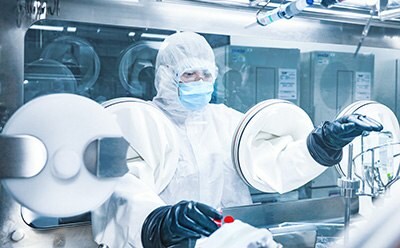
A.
pixel 152 135
pixel 66 124
pixel 276 117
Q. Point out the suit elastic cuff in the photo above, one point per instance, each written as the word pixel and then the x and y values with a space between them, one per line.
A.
pixel 321 153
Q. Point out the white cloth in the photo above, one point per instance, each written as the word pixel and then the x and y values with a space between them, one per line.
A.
pixel 205 170
pixel 239 235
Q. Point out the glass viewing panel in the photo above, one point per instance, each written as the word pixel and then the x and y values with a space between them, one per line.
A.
pixel 105 62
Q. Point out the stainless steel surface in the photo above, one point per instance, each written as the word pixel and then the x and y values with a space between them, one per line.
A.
pixel 309 210
pixel 295 235
pixel 11 56
pixel 302 223
pixel 307 234
pixel 106 157
pixel 40 222
pixel 78 236
pixel 11 224
pixel 304 239
pixel 21 156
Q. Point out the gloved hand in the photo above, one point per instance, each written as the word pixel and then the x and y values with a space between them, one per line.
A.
pixel 179 225
pixel 325 142
pixel 329 3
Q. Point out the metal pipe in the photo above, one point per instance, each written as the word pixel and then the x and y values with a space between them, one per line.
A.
pixel 349 177
pixel 347 204
pixel 389 14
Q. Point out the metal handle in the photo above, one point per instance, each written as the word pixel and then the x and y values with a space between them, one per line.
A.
pixel 106 157
pixel 21 156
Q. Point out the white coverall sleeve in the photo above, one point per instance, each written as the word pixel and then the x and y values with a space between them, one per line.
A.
pixel 279 162
pixel 118 222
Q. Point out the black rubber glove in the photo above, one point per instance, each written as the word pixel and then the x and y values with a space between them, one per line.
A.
pixel 329 3
pixel 325 142
pixel 179 225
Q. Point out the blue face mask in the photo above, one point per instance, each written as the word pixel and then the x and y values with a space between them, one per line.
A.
pixel 195 95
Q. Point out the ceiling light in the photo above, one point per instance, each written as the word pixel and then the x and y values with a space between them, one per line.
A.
pixel 154 36
pixel 71 29
pixel 47 28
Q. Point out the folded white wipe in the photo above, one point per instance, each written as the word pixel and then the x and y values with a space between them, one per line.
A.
pixel 239 235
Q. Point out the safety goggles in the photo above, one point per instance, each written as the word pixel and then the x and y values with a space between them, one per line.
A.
pixel 196 74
